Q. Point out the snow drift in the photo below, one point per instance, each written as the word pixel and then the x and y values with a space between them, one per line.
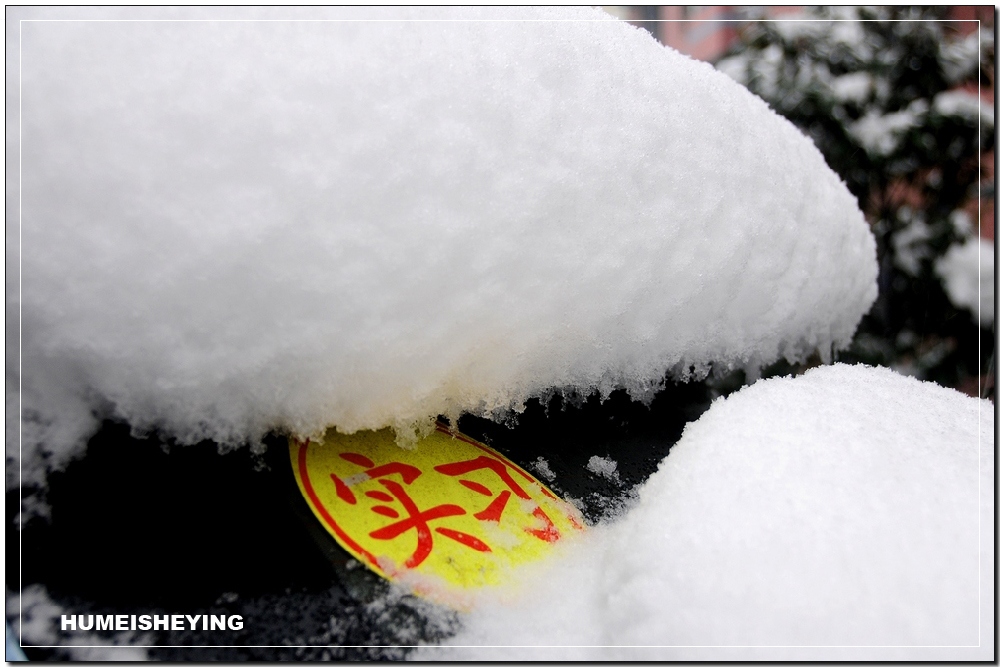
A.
pixel 847 513
pixel 231 227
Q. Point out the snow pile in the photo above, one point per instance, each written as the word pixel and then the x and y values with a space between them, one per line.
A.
pixel 966 272
pixel 230 227
pixel 842 508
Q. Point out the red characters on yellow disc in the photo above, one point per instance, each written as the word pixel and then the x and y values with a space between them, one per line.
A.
pixel 451 509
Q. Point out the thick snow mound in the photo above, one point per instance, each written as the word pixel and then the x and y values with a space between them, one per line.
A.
pixel 235 226
pixel 841 508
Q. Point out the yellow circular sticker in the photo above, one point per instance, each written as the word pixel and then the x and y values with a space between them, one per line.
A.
pixel 448 515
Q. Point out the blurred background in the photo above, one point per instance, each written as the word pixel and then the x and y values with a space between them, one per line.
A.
pixel 900 102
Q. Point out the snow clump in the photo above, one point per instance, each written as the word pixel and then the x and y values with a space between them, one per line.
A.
pixel 604 467
pixel 843 514
pixel 542 469
pixel 235 226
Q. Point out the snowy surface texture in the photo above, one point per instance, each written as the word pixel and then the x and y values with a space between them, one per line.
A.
pixel 230 227
pixel 847 507
pixel 967 272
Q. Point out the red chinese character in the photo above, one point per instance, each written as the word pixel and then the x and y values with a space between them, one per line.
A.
pixel 415 519
pixel 418 520
pixel 495 509
pixel 343 486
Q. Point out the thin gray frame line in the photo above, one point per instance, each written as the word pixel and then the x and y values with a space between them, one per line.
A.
pixel 20 340
pixel 979 333
pixel 470 646
pixel 612 19
pixel 21 301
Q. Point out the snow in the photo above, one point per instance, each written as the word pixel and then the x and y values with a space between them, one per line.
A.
pixel 880 134
pixel 766 70
pixel 967 272
pixel 827 28
pixel 231 227
pixel 235 227
pixel 792 30
pixel 847 30
pixel 542 469
pixel 853 87
pixel 964 104
pixel 960 57
pixel 961 222
pixel 603 467
pixel 735 67
pixel 848 507
pixel 910 242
